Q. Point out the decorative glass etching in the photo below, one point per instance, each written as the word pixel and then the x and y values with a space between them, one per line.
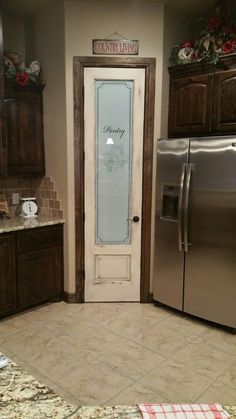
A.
pixel 114 117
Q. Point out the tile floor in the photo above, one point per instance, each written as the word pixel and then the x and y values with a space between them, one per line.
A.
pixel 119 354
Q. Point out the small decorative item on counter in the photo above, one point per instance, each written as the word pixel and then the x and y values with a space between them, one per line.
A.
pixel 4 209
pixel 217 39
pixel 15 69
pixel 29 207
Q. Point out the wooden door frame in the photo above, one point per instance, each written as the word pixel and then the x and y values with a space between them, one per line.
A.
pixel 149 64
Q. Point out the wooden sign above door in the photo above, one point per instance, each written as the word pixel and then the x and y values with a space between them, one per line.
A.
pixel 115 47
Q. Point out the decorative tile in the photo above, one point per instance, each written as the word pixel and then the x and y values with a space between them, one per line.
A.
pixel 43 189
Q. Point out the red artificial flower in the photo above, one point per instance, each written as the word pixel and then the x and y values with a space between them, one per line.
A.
pixel 194 55
pixel 186 44
pixel 229 46
pixel 22 78
pixel 213 22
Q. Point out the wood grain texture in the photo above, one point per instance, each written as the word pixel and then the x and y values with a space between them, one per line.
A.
pixel 149 65
pixel 224 103
pixel 190 105
pixel 226 62
pixel 202 98
pixel 2 113
pixel 30 275
pixel 25 149
pixel 69 297
pixel 8 298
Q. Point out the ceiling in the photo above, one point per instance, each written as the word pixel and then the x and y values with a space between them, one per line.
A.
pixel 27 8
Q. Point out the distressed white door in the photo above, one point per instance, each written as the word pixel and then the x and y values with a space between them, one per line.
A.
pixel 114 115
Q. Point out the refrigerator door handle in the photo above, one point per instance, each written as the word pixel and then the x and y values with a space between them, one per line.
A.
pixel 186 206
pixel 180 207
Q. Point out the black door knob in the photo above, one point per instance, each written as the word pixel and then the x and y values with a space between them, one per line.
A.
pixel 135 219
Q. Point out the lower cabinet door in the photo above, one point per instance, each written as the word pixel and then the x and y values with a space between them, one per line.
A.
pixel 8 299
pixel 39 276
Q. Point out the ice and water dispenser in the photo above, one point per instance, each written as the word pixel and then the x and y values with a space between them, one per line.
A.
pixel 170 202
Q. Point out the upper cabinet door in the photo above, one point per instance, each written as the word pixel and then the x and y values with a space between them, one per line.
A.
pixel 1 149
pixel 24 133
pixel 2 131
pixel 224 103
pixel 190 105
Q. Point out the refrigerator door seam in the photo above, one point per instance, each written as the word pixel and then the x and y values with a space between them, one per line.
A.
pixel 180 207
pixel 186 207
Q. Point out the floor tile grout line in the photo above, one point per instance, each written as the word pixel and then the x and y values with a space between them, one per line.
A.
pixel 36 371
pixel 206 389
pixel 213 346
pixel 63 388
pixel 139 344
pixel 125 388
pixel 228 385
pixel 169 358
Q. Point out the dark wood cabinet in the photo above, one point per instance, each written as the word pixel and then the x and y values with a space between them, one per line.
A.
pixel 21 126
pixel 224 103
pixel 31 268
pixel 202 99
pixel 40 265
pixel 190 104
pixel 2 122
pixel 25 144
pixel 8 297
pixel 2 148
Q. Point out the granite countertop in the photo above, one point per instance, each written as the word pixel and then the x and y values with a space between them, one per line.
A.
pixel 21 223
pixel 24 397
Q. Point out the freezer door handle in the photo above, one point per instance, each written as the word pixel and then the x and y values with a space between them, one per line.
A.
pixel 180 207
pixel 186 206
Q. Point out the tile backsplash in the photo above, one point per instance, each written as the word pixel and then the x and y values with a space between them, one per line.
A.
pixel 43 189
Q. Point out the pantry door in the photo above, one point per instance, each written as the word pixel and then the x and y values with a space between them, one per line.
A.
pixel 113 144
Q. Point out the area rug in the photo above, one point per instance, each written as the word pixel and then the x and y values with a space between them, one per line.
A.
pixel 183 411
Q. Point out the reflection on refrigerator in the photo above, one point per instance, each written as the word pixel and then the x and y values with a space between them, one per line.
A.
pixel 195 238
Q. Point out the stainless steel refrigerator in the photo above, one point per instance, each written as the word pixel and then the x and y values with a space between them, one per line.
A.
pixel 195 237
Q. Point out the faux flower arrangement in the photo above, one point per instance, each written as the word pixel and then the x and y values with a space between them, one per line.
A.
pixel 15 69
pixel 217 39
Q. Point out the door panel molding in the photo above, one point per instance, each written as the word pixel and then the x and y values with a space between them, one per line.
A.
pixel 80 63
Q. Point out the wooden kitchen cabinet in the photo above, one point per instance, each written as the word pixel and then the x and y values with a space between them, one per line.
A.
pixel 2 122
pixel 2 148
pixel 202 99
pixel 8 294
pixel 224 103
pixel 31 268
pixel 40 265
pixel 24 127
pixel 190 104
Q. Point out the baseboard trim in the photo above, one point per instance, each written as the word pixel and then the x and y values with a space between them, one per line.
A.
pixel 150 299
pixel 69 297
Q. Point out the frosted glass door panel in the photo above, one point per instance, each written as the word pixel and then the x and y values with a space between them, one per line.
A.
pixel 114 115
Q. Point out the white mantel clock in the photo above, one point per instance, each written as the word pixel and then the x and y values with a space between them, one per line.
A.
pixel 29 207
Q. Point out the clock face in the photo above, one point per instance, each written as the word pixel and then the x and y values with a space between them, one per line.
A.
pixel 29 208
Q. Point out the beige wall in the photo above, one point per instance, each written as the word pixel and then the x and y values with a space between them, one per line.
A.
pixel 87 20
pixel 176 28
pixel 65 30
pixel 14 34
pixel 49 48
